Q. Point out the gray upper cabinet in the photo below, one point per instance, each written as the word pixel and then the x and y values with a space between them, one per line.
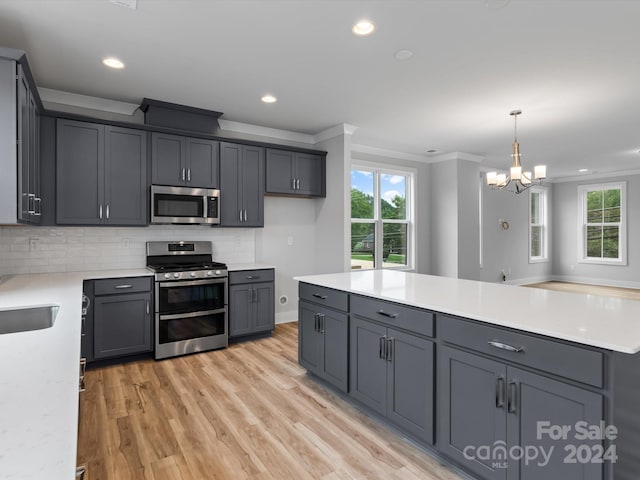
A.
pixel 178 160
pixel 241 185
pixel 101 174
pixel 295 173
pixel 20 200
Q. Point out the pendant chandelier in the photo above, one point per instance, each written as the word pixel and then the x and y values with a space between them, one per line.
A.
pixel 517 181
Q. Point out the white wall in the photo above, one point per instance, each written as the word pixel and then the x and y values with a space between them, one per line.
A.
pixel 468 220
pixel 566 215
pixel 509 249
pixel 444 219
pixel 68 249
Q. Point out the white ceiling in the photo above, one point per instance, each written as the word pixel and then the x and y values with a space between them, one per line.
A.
pixel 572 66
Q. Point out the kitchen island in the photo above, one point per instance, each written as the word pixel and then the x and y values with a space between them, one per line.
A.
pixel 467 367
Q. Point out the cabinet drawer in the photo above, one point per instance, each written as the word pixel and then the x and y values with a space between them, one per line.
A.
pixel 324 296
pixel 398 316
pixel 251 276
pixel 109 286
pixel 574 362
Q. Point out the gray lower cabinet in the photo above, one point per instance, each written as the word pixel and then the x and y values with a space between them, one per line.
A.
pixel 251 302
pixel 241 185
pixel 121 317
pixel 184 161
pixel 295 173
pixel 391 371
pixel 487 403
pixel 323 344
pixel 101 174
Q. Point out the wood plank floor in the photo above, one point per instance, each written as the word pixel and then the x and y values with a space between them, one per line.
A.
pixel 619 292
pixel 245 412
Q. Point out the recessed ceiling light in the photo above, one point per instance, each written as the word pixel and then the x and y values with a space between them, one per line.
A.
pixel 113 62
pixel 268 98
pixel 363 27
pixel 403 55
pixel 582 170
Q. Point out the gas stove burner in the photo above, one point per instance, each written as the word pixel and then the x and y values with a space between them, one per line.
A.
pixel 173 261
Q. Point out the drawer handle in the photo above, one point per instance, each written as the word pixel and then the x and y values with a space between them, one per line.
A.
pixel 128 285
pixel 252 277
pixel 321 297
pixel 504 346
pixel 387 314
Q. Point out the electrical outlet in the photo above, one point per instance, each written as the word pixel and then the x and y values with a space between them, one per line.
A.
pixel 34 244
pixel 125 243
pixel 290 240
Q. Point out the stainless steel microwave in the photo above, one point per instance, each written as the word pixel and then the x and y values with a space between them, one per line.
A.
pixel 184 205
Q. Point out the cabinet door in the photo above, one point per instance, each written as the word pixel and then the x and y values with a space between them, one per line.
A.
pixel 264 308
pixel 240 310
pixel 310 340
pixel 309 173
pixel 122 325
pixel 279 171
pixel 252 178
pixel 410 384
pixel 471 409
pixel 168 154
pixel 230 185
pixel 534 399
pixel 368 370
pixel 25 201
pixel 34 160
pixel 126 197
pixel 334 327
pixel 79 173
pixel 203 165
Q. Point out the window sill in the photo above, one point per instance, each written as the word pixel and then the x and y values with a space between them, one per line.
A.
pixel 596 261
pixel 538 260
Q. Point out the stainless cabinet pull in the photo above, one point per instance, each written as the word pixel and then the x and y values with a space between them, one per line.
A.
pixel 128 285
pixel 321 297
pixel 381 347
pixel 107 211
pixel 188 174
pixel 31 197
pixel 38 211
pixel 321 323
pixel 255 295
pixel 80 472
pixel 245 214
pixel 84 321
pixel 100 212
pixel 500 392
pixel 147 307
pixel 316 322
pixel 387 314
pixel 293 184
pixel 504 346
pixel 240 214
pixel 297 184
pixel 183 174
pixel 512 397
pixel 389 354
pixel 83 368
pixel 249 277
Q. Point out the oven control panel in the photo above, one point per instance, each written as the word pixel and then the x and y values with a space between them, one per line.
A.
pixel 191 275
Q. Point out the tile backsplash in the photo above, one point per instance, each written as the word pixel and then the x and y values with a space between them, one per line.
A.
pixel 69 249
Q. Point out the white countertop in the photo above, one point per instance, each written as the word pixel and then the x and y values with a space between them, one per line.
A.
pixel 238 267
pixel 604 322
pixel 39 377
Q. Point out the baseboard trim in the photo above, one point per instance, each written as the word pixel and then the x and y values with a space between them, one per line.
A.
pixel 287 317
pixel 606 282
pixel 528 280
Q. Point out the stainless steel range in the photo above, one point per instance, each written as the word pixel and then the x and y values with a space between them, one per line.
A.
pixel 190 298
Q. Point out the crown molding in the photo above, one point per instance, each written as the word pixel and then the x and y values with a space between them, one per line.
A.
pixel 335 131
pixel 383 152
pixel 594 176
pixel 249 129
pixel 84 101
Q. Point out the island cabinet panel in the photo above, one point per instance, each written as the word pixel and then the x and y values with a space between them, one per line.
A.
pixel 392 372
pixel 393 314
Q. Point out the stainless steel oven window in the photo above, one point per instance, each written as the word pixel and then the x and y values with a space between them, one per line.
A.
pixel 191 296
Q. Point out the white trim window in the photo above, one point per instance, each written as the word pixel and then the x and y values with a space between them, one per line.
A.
pixel 382 230
pixel 538 222
pixel 603 225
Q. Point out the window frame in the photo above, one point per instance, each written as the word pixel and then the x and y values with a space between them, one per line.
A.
pixel 378 221
pixel 544 224
pixel 622 224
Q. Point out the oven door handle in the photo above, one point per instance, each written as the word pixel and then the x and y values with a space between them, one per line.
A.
pixel 204 313
pixel 180 283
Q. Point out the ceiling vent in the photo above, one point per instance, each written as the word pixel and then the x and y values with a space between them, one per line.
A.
pixel 182 117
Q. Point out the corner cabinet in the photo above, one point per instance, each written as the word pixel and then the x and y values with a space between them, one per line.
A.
pixel 184 161
pixel 323 336
pixel 295 173
pixel 120 318
pixel 101 174
pixel 251 302
pixel 241 185
pixel 20 199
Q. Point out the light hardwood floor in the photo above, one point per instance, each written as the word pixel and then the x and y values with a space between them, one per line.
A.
pixel 245 412
pixel 628 293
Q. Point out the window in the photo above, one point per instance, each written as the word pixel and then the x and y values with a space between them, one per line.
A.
pixel 603 224
pixel 381 218
pixel 537 225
